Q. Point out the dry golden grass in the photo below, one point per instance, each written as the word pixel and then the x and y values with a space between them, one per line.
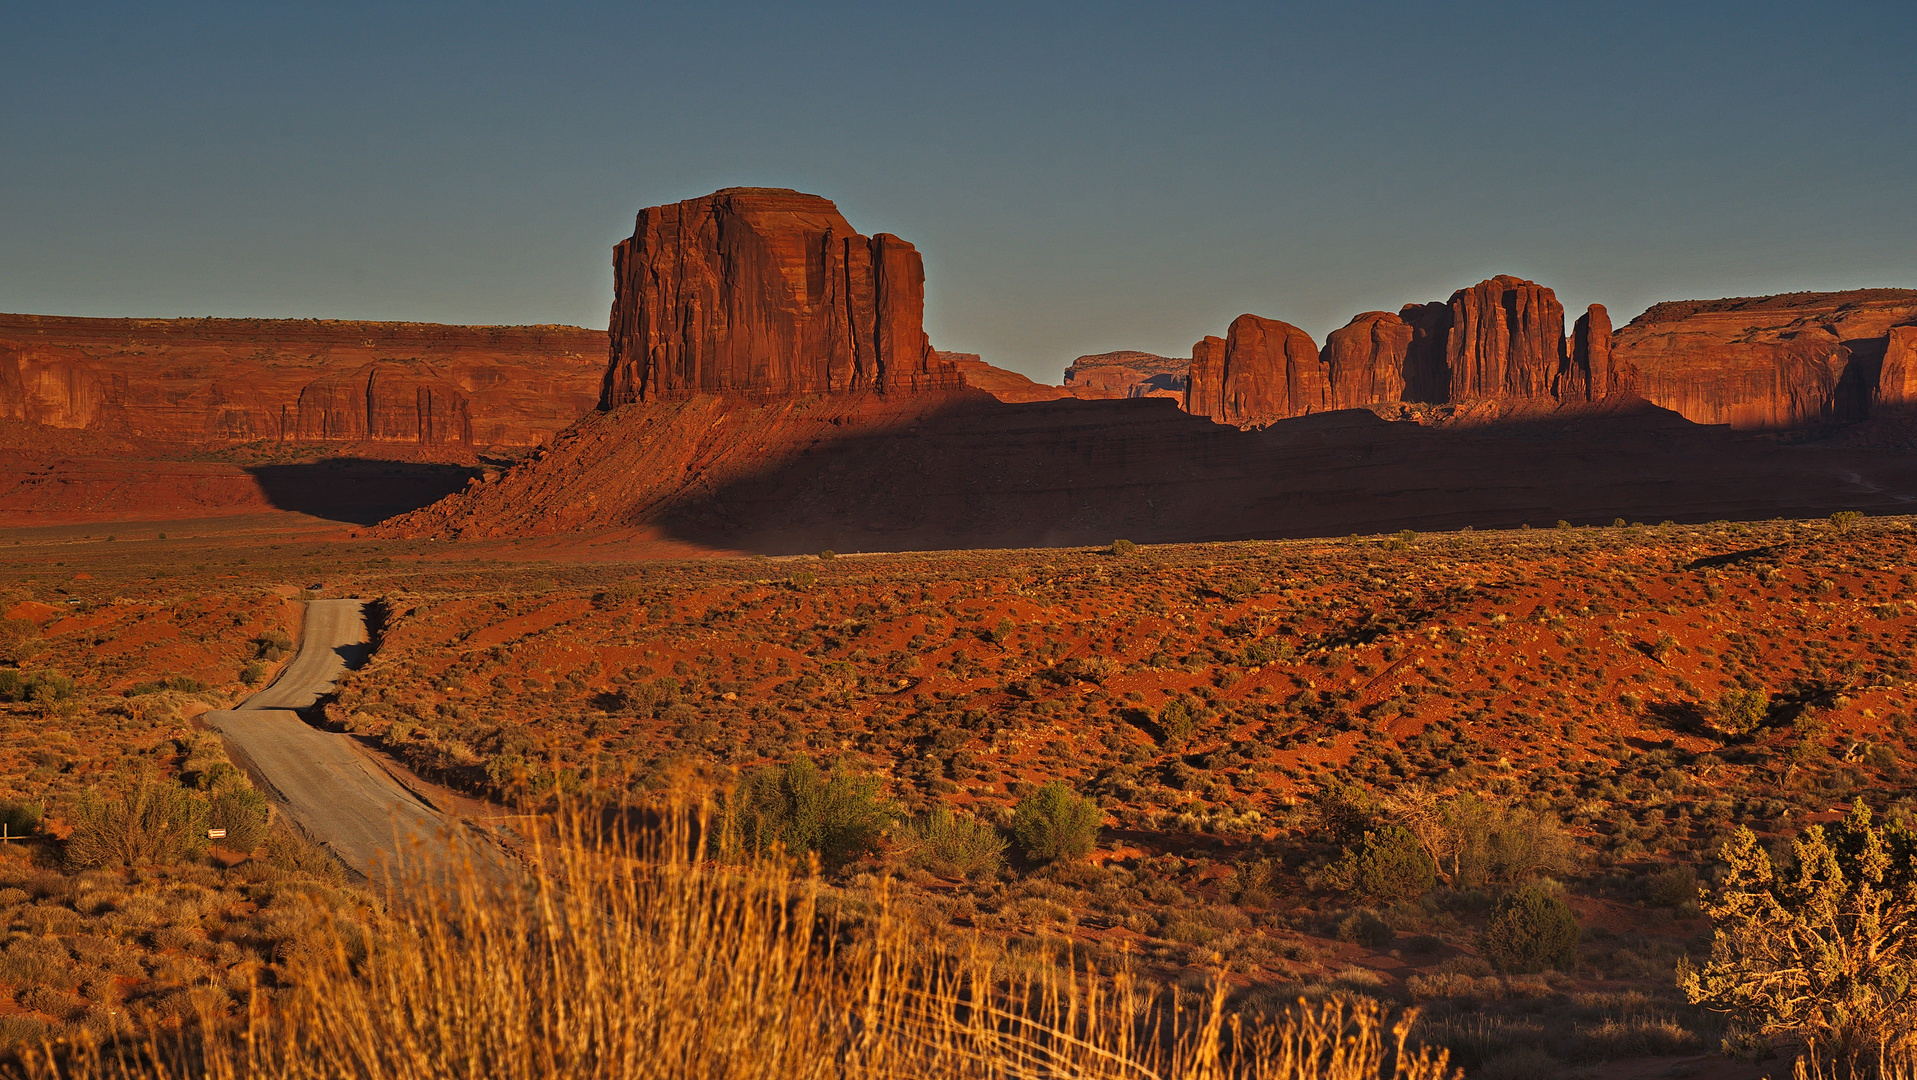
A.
pixel 638 964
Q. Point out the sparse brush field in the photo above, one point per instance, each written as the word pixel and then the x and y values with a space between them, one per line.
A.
pixel 1481 773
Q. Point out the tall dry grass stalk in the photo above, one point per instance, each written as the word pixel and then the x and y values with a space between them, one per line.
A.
pixel 615 959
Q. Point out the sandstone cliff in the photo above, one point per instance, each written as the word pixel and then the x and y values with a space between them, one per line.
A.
pixel 767 292
pixel 197 384
pixel 1797 360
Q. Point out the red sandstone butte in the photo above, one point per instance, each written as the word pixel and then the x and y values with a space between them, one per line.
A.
pixel 1264 370
pixel 1506 340
pixel 435 392
pixel 1795 360
pixel 766 292
pixel 1365 360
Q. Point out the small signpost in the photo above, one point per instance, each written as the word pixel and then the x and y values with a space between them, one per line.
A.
pixel 216 834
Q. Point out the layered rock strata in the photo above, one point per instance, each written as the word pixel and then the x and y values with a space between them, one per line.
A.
pixel 1792 361
pixel 197 384
pixel 766 292
pixel 1128 373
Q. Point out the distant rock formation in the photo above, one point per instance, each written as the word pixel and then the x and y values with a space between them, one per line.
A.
pixel 1002 384
pixel 1796 360
pixel 1128 373
pixel 766 292
pixel 1262 370
pixel 439 392
pixel 1501 341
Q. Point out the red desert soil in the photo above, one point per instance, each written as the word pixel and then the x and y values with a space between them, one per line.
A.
pixel 1570 671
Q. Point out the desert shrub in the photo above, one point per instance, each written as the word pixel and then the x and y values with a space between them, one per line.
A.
pixel 1364 927
pixel 1054 824
pixel 803 579
pixel 1475 843
pixel 1176 721
pixel 244 814
pixel 20 818
pixel 616 596
pixel 1531 930
pixel 951 843
pixel 1844 521
pixel 252 673
pixel 185 684
pixel 1344 814
pixel 19 640
pixel 156 822
pixel 1672 888
pixel 37 686
pixel 272 645
pixel 836 814
pixel 1388 866
pixel 1123 547
pixel 1741 711
pixel 1818 949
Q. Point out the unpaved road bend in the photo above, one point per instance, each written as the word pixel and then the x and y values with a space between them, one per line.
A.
pixel 335 790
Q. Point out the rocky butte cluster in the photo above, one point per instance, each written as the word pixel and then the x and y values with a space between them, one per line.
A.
pixel 764 291
pixel 1500 340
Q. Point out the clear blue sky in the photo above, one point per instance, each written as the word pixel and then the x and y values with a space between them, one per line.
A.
pixel 1080 178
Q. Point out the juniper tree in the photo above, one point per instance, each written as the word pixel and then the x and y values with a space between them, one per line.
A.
pixel 1821 952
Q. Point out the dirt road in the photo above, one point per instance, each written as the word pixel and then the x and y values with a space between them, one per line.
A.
pixel 336 791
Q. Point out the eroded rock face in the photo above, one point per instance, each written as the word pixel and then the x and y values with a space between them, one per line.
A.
pixel 1897 383
pixel 768 292
pixel 382 402
pixel 1590 373
pixel 1365 360
pixel 1262 370
pixel 1506 340
pixel 441 391
pixel 1770 362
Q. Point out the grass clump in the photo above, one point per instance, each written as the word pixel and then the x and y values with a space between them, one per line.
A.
pixel 954 844
pixel 729 972
pixel 156 822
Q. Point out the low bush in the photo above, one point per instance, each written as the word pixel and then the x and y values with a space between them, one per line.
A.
pixel 1364 927
pixel 1531 930
pixel 185 684
pixel 1388 867
pixel 36 686
pixel 836 815
pixel 20 818
pixel 1054 824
